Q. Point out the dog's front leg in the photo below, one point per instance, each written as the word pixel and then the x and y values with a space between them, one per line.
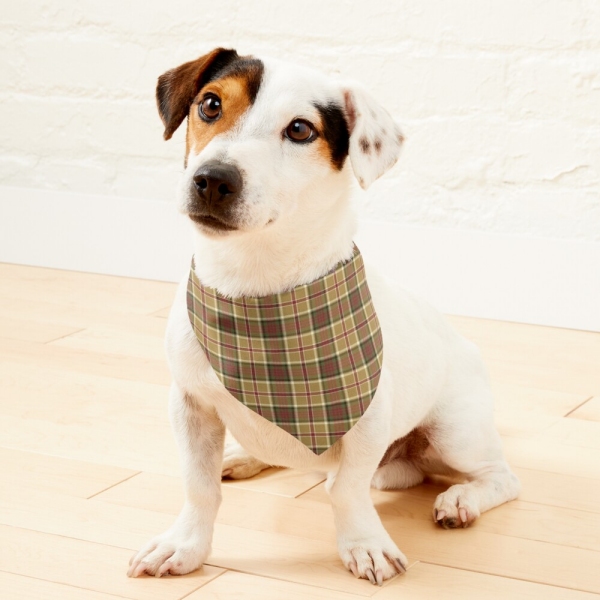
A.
pixel 364 545
pixel 184 547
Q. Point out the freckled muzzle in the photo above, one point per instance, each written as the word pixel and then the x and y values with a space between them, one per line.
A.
pixel 216 189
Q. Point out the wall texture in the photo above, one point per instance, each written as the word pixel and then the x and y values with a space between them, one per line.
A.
pixel 500 100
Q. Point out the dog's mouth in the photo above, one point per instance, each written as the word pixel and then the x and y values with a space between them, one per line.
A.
pixel 211 222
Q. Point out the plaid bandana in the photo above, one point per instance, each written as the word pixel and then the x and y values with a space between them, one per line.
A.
pixel 307 360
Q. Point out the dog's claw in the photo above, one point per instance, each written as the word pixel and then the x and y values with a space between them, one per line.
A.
pixel 371 576
pixel 379 577
pixel 399 566
pixel 439 515
pixel 354 569
pixel 137 569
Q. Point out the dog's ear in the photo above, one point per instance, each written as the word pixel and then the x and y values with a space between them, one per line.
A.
pixel 177 88
pixel 375 138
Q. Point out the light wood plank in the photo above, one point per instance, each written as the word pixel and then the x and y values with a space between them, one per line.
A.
pixel 49 473
pixel 250 587
pixel 522 337
pixel 590 411
pixel 282 482
pixel 33 331
pixel 77 316
pixel 95 418
pixel 165 493
pixel 551 456
pixel 76 518
pixel 564 526
pixel 78 398
pixel 82 415
pixel 72 288
pixel 550 358
pixel 122 443
pixel 311 561
pixel 410 521
pixel 313 518
pixel 426 581
pixel 240 507
pixel 120 341
pixel 479 548
pixel 555 489
pixel 520 519
pixel 82 361
pixel 496 554
pixel 573 432
pixel 90 566
pixel 149 491
pixel 99 395
pixel 18 587
pixel 280 556
pixel 524 411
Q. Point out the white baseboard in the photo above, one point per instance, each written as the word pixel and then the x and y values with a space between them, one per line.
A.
pixel 515 278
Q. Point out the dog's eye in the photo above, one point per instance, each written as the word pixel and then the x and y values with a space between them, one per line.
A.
pixel 210 108
pixel 299 130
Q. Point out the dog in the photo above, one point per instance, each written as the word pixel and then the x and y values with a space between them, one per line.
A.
pixel 271 150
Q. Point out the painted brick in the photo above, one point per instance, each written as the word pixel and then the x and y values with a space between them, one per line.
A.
pixel 499 100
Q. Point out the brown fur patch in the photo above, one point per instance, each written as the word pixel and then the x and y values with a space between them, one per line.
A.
pixel 350 110
pixel 365 145
pixel 411 447
pixel 235 98
pixel 177 88
pixel 377 145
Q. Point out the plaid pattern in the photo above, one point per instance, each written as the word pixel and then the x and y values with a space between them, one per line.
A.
pixel 307 360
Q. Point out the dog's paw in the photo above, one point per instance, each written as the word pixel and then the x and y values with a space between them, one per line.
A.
pixel 372 559
pixel 456 507
pixel 170 554
pixel 238 464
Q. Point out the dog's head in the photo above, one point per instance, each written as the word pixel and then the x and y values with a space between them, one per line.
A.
pixel 265 139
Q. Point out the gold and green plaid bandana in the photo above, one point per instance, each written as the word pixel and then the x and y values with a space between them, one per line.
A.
pixel 307 360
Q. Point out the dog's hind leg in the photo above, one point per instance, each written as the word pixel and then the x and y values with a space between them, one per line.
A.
pixel 238 464
pixel 399 467
pixel 398 474
pixel 470 444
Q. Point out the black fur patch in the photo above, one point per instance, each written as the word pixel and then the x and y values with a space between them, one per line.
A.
pixel 251 69
pixel 335 132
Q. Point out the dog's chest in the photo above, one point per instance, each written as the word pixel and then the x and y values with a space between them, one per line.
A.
pixel 307 360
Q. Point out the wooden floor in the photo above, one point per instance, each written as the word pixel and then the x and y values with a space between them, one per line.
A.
pixel 89 470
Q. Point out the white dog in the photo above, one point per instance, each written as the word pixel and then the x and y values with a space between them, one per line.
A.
pixel 266 186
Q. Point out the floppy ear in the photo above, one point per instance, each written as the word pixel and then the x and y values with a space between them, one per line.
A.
pixel 375 138
pixel 177 88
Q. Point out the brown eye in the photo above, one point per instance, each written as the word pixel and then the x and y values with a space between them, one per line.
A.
pixel 210 108
pixel 300 131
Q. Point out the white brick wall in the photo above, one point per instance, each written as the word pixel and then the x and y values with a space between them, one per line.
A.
pixel 500 99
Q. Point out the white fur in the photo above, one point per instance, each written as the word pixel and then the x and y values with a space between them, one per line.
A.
pixel 296 223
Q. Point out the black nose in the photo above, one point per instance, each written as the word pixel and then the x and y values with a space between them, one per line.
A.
pixel 218 183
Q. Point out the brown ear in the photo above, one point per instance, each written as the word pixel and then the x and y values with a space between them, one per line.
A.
pixel 177 88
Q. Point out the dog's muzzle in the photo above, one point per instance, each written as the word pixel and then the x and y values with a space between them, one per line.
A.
pixel 216 187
